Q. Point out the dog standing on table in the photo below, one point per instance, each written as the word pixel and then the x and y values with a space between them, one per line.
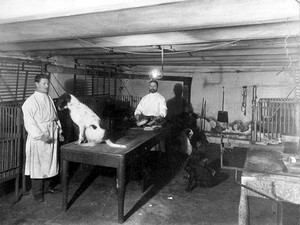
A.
pixel 87 121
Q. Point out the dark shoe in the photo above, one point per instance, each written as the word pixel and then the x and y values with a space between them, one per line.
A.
pixel 39 198
pixel 52 191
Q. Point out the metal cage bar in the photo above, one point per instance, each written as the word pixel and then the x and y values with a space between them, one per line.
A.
pixel 10 145
pixel 275 117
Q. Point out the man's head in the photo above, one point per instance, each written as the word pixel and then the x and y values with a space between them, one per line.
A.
pixel 153 86
pixel 178 89
pixel 42 83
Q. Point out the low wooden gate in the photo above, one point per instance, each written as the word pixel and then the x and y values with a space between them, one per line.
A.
pixel 10 145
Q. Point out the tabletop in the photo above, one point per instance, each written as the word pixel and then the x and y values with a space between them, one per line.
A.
pixel 131 138
pixel 270 160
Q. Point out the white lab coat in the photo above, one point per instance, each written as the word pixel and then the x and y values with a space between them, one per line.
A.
pixel 153 104
pixel 40 117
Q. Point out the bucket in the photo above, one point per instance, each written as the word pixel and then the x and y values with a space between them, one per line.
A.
pixel 223 116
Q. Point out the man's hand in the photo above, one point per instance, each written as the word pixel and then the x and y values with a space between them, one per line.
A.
pixel 47 139
pixel 159 119
pixel 61 137
pixel 137 116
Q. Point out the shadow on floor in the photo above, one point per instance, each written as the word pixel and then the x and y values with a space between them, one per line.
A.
pixel 153 179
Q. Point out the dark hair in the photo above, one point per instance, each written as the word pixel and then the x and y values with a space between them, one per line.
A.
pixel 38 77
pixel 178 89
pixel 153 81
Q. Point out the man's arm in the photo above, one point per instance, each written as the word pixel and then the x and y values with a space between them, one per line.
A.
pixel 139 109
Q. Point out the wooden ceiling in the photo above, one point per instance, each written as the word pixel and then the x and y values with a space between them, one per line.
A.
pixel 205 35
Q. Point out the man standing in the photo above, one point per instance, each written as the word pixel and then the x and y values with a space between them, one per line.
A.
pixel 178 105
pixel 42 124
pixel 152 105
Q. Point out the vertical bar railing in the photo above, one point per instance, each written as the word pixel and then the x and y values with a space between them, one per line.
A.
pixel 275 117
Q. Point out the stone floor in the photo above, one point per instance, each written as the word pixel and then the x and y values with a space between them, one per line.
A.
pixel 94 201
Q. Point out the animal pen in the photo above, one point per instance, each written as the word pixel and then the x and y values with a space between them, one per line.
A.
pixel 115 110
pixel 17 84
pixel 276 118
pixel 10 145
pixel 272 119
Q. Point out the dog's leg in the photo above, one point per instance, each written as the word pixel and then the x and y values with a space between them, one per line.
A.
pixel 193 183
pixel 80 136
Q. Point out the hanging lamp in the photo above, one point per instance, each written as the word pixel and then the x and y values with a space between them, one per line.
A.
pixel 156 74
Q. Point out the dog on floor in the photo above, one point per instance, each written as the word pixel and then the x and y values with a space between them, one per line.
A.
pixel 185 141
pixel 200 171
pixel 87 121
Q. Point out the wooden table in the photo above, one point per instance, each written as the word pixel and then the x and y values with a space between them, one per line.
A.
pixel 138 142
pixel 263 177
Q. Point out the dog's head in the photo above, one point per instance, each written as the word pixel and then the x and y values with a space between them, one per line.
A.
pixel 63 100
pixel 185 143
pixel 189 133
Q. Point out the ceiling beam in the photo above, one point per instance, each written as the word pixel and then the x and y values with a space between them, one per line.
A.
pixel 225 34
pixel 187 69
pixel 237 52
pixel 200 60
pixel 12 11
pixel 188 15
pixel 267 46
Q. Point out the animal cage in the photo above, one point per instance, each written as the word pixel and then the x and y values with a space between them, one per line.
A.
pixel 275 117
pixel 10 145
pixel 113 109
pixel 99 103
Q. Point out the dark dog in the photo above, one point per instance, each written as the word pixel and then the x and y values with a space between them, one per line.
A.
pixel 200 172
pixel 87 121
pixel 203 174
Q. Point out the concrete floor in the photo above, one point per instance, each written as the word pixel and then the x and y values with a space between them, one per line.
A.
pixel 94 201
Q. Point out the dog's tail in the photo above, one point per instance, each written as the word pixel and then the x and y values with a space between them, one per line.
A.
pixel 89 144
pixel 107 141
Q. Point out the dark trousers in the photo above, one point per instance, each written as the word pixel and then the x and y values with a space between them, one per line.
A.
pixel 39 185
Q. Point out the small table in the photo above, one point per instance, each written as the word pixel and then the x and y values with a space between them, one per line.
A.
pixel 263 177
pixel 138 142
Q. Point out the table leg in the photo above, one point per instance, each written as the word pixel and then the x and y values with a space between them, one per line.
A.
pixel 64 183
pixel 244 217
pixel 299 215
pixel 17 187
pixel 279 213
pixel 121 190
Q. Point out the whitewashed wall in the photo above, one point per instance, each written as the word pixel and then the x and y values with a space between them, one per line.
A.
pixel 62 83
pixel 141 87
pixel 209 86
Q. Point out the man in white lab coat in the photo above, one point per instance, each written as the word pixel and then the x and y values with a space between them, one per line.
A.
pixel 153 107
pixel 42 124
pixel 152 104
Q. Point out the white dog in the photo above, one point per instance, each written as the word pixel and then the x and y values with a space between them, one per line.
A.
pixel 87 121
